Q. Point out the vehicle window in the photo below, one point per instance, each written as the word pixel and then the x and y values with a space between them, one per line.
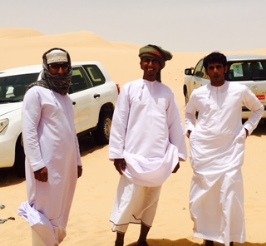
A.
pixel 198 69
pixel 95 75
pixel 205 76
pixel 237 71
pixel 257 70
pixel 78 81
pixel 13 88
pixel 247 70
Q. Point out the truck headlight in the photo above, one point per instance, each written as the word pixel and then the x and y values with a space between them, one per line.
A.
pixel 3 124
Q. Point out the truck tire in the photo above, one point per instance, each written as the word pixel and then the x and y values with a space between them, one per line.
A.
pixel 19 164
pixel 102 133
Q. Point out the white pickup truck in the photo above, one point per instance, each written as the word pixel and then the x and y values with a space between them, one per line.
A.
pixel 92 91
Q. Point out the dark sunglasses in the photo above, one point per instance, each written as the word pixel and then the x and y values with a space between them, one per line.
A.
pixel 57 66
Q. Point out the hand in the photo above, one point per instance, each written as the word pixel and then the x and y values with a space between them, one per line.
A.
pixel 176 168
pixel 41 174
pixel 120 165
pixel 79 171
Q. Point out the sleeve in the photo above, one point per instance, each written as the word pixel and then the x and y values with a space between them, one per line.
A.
pixel 190 113
pixel 31 114
pixel 256 108
pixel 176 129
pixel 119 126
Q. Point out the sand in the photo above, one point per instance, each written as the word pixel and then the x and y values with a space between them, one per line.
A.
pixel 89 219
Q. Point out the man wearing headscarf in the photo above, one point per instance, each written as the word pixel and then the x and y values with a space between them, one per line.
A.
pixel 147 141
pixel 53 161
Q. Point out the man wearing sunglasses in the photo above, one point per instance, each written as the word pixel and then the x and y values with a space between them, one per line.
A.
pixel 53 161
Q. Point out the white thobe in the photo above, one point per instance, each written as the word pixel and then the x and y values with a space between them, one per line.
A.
pixel 50 141
pixel 147 132
pixel 217 143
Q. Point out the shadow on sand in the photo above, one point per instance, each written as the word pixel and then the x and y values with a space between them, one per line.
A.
pixel 8 177
pixel 260 130
pixel 87 145
pixel 186 242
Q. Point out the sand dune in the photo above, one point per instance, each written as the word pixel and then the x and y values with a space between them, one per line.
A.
pixel 18 33
pixel 89 219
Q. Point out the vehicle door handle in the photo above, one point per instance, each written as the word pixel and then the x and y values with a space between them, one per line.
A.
pixel 96 95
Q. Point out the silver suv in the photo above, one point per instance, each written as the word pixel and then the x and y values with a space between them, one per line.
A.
pixel 92 91
pixel 249 70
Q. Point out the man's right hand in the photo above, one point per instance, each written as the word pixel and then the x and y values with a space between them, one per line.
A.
pixel 120 165
pixel 41 174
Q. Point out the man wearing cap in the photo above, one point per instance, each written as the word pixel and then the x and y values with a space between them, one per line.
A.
pixel 53 161
pixel 147 142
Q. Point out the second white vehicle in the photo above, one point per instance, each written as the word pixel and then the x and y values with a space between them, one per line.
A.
pixel 245 69
pixel 92 91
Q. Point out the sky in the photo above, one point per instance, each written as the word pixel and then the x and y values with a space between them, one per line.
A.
pixel 176 25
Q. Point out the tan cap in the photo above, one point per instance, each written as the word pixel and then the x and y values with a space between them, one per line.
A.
pixel 56 56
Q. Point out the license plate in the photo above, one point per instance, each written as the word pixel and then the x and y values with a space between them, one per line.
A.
pixel 261 97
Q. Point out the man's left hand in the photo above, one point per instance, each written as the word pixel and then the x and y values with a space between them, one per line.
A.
pixel 41 174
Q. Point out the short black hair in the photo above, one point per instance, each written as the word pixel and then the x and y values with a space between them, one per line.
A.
pixel 214 57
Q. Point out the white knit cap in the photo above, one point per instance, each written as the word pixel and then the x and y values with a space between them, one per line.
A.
pixel 56 56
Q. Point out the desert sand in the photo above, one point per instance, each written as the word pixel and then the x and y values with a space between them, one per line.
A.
pixel 89 219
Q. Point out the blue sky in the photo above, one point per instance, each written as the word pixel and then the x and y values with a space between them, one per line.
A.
pixel 177 25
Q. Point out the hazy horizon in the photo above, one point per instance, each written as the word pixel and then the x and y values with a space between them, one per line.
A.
pixel 177 25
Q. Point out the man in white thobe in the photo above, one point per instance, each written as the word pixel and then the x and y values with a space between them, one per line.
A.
pixel 53 161
pixel 146 143
pixel 217 143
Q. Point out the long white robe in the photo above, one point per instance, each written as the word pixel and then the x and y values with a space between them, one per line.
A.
pixel 147 132
pixel 217 143
pixel 50 141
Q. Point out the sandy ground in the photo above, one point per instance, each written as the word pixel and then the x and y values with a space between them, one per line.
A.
pixel 89 219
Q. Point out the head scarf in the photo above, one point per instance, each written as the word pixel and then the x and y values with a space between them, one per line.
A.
pixel 58 83
pixel 157 52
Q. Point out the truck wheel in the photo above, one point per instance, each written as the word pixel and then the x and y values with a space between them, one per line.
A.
pixel 102 134
pixel 19 164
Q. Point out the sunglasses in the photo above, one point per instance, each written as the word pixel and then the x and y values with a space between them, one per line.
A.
pixel 57 66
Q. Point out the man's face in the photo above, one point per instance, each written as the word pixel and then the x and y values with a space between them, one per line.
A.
pixel 151 66
pixel 61 68
pixel 216 72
